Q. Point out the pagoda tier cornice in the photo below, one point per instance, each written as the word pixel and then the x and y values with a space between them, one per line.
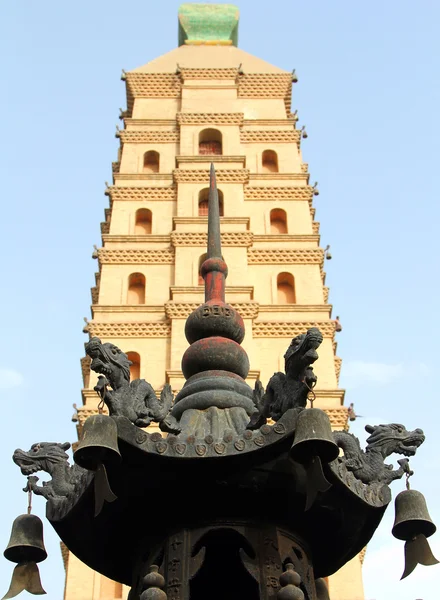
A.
pixel 228 238
pixel 279 177
pixel 291 309
pixel 289 121
pixel 142 177
pixel 144 136
pixel 210 118
pixel 279 193
pixel 254 136
pixel 142 329
pixel 141 193
pixel 206 158
pixel 204 221
pixel 290 329
pixel 129 309
pixel 286 256
pixel 202 176
pixel 181 310
pixel 199 290
pixel 121 256
pixel 184 237
pixel 147 238
pixel 285 237
pixel 130 122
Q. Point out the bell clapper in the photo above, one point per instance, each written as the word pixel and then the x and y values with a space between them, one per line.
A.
pixel 413 525
pixel 103 491
pixel 26 548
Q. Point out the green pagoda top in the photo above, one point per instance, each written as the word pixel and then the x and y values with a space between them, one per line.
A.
pixel 214 24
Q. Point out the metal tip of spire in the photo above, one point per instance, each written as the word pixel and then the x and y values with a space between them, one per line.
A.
pixel 214 243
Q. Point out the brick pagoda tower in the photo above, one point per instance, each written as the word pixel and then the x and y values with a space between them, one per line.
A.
pixel 208 101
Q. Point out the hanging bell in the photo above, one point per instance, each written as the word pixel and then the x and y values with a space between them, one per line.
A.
pixel 413 525
pixel 328 256
pixel 99 447
pixel 26 548
pixel 314 444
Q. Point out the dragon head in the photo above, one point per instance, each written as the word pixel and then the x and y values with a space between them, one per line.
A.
pixel 302 352
pixel 108 360
pixel 41 457
pixel 394 438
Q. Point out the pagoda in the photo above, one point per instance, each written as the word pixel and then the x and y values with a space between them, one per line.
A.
pixel 213 458
pixel 209 101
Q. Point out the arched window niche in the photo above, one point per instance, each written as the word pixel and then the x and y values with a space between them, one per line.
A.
pixel 151 162
pixel 210 142
pixel 135 371
pixel 203 202
pixel 286 289
pixel 269 161
pixel 143 222
pixel 136 289
pixel 278 221
pixel 202 259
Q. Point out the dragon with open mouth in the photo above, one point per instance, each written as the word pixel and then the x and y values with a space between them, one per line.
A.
pixel 136 399
pixel 51 458
pixel 369 465
pixel 290 389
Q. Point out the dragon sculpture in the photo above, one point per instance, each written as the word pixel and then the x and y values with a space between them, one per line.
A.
pixel 50 457
pixel 290 389
pixel 135 400
pixel 369 465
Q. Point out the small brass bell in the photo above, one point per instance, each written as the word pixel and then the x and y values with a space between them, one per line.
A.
pixel 413 525
pixel 312 445
pixel 99 447
pixel 26 548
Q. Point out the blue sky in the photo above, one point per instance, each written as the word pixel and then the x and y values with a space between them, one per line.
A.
pixel 368 93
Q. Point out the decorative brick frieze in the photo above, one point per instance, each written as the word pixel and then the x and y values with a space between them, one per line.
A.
pixel 135 256
pixel 315 227
pixel 272 256
pixel 85 369
pixel 266 85
pixel 144 329
pixel 65 555
pixel 105 227
pixel 95 294
pixel 181 310
pixel 202 175
pixel 338 365
pixel 290 329
pixel 304 167
pixel 326 294
pixel 151 85
pixel 148 137
pixel 279 193
pixel 338 417
pixel 142 193
pixel 205 73
pixel 210 118
pixel 229 238
pixel 252 136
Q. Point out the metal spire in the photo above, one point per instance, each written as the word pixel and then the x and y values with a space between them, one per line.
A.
pixel 214 242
